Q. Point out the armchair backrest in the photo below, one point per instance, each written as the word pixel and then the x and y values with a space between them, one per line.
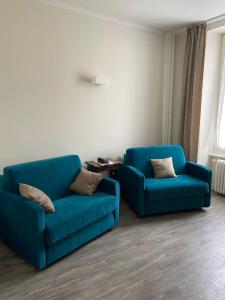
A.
pixel 139 158
pixel 53 176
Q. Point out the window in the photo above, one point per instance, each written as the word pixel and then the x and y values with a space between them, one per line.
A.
pixel 220 143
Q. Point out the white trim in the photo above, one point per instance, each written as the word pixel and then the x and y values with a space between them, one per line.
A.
pixel 104 17
pixel 215 25
pixel 168 87
pixel 216 155
pixel 212 24
pixel 216 19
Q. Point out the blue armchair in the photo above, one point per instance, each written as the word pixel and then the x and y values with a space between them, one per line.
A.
pixel 147 195
pixel 44 238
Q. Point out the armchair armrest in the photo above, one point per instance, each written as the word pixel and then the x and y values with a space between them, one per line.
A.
pixel 199 171
pixel 132 187
pixel 203 173
pixel 22 226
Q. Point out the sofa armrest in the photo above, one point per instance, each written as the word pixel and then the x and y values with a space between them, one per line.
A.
pixel 132 187
pixel 112 187
pixel 109 186
pixel 22 226
pixel 16 209
pixel 201 172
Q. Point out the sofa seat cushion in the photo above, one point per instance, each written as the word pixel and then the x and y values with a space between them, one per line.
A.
pixel 75 212
pixel 158 189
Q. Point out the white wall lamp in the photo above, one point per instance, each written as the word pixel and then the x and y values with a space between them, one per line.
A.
pixel 100 80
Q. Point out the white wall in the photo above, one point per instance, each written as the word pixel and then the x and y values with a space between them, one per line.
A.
pixel 48 106
pixel 178 100
pixel 210 96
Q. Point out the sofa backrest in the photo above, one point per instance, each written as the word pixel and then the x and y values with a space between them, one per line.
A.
pixel 140 158
pixel 53 176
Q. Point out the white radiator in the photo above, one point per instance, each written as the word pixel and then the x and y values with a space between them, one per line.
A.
pixel 218 179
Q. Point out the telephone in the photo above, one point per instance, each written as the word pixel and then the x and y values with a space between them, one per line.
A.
pixel 102 160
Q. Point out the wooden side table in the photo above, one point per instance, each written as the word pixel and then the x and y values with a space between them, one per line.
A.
pixel 112 168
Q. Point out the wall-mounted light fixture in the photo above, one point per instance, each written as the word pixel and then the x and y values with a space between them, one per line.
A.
pixel 100 80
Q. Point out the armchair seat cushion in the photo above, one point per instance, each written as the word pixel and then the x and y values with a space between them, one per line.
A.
pixel 75 212
pixel 159 189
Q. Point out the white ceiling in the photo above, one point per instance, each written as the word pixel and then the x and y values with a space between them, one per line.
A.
pixel 164 15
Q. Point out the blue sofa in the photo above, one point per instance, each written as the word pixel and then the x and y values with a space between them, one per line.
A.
pixel 1 182
pixel 147 195
pixel 44 238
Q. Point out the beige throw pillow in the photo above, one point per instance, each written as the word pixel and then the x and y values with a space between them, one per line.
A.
pixel 86 183
pixel 37 196
pixel 163 168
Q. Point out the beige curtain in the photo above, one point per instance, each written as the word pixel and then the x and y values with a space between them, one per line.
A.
pixel 193 78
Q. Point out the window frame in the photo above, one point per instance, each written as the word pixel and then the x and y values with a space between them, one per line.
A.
pixel 221 93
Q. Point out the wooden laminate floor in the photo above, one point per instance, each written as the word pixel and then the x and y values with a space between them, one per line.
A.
pixel 175 256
